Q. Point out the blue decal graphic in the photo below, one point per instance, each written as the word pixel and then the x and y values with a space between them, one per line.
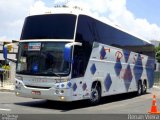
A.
pixel 62 85
pixel 118 68
pixel 108 82
pixel 102 53
pixel 69 84
pixel 128 74
pixel 93 69
pixel 84 86
pixel 149 71
pixel 126 55
pixel 74 87
pixel 127 77
pixel 138 69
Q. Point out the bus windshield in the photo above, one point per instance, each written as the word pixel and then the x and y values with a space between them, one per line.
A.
pixel 42 58
pixel 57 26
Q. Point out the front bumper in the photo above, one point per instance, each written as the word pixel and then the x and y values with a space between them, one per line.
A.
pixel 56 94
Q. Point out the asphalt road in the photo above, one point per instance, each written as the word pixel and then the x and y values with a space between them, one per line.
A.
pixel 118 104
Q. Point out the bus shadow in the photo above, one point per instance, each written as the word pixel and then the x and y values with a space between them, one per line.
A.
pixel 67 106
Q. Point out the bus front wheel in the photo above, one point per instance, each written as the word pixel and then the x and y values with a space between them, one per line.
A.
pixel 95 95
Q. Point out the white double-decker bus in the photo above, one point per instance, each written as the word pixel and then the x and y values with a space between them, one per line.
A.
pixel 69 56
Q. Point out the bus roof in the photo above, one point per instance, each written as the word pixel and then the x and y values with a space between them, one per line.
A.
pixel 78 11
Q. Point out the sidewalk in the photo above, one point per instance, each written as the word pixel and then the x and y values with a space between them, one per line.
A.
pixel 8 86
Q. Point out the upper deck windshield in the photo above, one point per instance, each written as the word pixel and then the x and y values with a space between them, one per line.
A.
pixel 50 26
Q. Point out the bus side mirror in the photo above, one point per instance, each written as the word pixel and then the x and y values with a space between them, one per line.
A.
pixel 5 52
pixel 68 51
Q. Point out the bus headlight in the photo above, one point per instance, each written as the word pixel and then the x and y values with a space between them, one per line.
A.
pixel 61 97
pixel 57 92
pixel 62 91
pixel 18 87
pixel 17 93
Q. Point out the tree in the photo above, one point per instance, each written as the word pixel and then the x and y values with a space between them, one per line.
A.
pixel 157 50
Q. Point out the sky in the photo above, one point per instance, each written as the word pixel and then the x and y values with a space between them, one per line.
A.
pixel 139 17
pixel 148 9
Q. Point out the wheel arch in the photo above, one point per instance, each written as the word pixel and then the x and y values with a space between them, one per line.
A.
pixel 98 82
pixel 145 82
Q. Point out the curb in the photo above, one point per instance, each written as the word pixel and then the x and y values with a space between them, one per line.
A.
pixel 6 90
pixel 157 87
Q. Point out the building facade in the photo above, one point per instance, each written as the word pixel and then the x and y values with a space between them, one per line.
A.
pixel 10 74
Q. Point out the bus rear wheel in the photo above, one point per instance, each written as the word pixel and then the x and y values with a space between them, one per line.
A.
pixel 144 87
pixel 140 88
pixel 95 95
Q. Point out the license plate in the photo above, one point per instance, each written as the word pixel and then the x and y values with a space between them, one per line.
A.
pixel 36 92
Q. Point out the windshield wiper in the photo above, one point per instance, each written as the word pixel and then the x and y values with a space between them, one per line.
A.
pixel 56 74
pixel 51 72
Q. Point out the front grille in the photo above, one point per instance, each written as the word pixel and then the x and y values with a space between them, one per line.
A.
pixel 38 87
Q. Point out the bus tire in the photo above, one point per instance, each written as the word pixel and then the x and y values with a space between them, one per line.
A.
pixel 139 89
pixel 95 95
pixel 144 88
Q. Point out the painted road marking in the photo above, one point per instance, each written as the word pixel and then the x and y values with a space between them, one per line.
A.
pixel 1 109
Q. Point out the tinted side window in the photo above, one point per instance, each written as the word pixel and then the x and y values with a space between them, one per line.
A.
pixel 86 36
pixel 91 30
pixel 113 36
pixel 86 29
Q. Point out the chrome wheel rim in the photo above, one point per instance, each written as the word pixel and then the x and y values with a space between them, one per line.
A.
pixel 94 95
pixel 139 89
pixel 144 88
